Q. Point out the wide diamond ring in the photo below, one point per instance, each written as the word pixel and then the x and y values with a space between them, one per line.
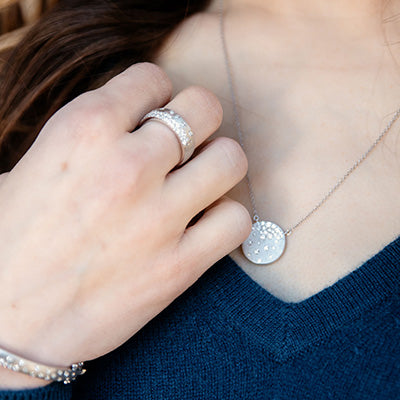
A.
pixel 178 125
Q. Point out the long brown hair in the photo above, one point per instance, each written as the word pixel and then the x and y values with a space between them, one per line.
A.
pixel 76 47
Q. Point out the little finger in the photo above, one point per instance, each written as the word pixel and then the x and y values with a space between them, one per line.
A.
pixel 222 228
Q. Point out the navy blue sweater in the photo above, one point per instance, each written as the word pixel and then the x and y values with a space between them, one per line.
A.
pixel 227 338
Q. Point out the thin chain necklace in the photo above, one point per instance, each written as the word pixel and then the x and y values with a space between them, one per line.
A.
pixel 267 240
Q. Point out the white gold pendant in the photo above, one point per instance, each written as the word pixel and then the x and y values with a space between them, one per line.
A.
pixel 265 243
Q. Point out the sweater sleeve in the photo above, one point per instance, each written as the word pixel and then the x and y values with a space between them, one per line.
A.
pixel 54 391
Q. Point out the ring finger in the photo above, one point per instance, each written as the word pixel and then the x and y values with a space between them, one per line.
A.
pixel 202 112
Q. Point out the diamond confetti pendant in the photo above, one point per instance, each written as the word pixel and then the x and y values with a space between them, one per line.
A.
pixel 265 243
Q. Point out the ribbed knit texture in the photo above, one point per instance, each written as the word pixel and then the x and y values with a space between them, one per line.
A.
pixel 227 338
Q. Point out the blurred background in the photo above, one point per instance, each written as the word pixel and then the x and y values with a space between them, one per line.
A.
pixel 16 16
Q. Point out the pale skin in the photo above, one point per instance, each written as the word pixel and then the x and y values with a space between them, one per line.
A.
pixel 102 247
pixel 312 109
pixel 316 82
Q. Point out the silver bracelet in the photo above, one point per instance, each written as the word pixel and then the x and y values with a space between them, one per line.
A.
pixel 55 374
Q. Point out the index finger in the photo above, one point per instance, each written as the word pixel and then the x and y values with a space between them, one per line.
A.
pixel 125 99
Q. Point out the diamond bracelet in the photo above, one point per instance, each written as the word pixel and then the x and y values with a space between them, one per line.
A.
pixel 31 368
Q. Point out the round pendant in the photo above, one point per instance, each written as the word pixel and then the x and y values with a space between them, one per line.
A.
pixel 265 243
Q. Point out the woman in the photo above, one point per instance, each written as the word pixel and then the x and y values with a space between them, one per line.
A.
pixel 113 232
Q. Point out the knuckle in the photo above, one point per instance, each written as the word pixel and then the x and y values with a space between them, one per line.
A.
pixel 207 103
pixel 151 75
pixel 122 186
pixel 89 116
pixel 132 167
pixel 181 272
pixel 155 72
pixel 96 116
pixel 125 175
pixel 233 154
pixel 173 274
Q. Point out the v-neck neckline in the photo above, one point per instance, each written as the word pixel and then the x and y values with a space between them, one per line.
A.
pixel 284 328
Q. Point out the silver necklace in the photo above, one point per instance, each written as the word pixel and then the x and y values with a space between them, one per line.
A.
pixel 267 240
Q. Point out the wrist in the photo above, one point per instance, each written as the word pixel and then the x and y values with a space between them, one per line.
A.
pixel 11 380
pixel 18 364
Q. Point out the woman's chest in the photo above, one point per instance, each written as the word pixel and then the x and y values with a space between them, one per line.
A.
pixel 333 234
pixel 298 151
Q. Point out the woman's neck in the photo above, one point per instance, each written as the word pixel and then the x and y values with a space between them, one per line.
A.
pixel 310 8
pixel 363 14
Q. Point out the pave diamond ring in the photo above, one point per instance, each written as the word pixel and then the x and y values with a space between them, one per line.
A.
pixel 178 125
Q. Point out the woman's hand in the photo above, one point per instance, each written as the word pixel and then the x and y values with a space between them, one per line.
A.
pixel 93 236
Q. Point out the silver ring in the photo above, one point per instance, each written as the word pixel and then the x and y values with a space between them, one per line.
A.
pixel 178 125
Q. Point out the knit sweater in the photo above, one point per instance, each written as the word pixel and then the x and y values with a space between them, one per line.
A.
pixel 228 338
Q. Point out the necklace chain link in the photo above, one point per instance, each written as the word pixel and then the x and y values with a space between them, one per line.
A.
pixel 235 106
